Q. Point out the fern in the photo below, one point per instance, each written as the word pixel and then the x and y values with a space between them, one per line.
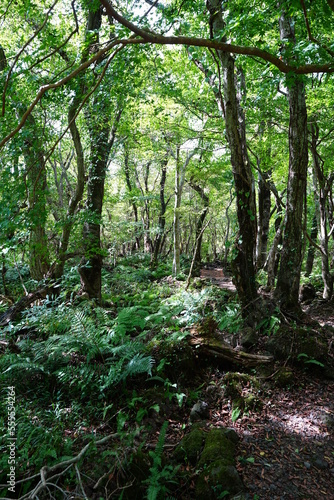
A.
pixel 154 479
pixel 160 476
pixel 93 354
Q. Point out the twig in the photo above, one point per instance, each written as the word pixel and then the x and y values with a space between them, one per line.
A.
pixel 66 464
pixel 80 482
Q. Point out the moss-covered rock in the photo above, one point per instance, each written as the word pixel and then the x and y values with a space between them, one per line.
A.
pixel 217 447
pixel 213 453
pixel 248 337
pixel 191 446
pixel 236 382
pixel 242 389
pixel 291 342
pixel 284 377
pixel 216 479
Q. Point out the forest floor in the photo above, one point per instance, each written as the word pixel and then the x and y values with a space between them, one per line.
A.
pixel 286 448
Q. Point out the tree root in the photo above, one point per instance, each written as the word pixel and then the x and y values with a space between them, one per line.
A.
pixel 46 472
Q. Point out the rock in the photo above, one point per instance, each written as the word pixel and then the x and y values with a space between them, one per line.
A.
pixel 217 447
pixel 191 446
pixel 213 455
pixel 248 337
pixel 320 463
pixel 284 377
pixel 231 435
pixel 307 292
pixel 200 411
pixel 307 465
pixel 216 479
pixel 327 420
pixel 289 342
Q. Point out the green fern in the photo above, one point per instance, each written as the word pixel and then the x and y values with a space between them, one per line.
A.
pixel 160 476
pixel 93 354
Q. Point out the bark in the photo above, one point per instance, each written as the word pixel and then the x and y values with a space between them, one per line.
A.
pixel 287 289
pixel 227 232
pixel 264 203
pixel 162 215
pixel 76 196
pixel 179 181
pixel 11 314
pixel 36 183
pixel 102 137
pixel 322 196
pixel 273 256
pixel 243 265
pixel 211 345
pixel 91 264
pixel 199 233
pixel 311 248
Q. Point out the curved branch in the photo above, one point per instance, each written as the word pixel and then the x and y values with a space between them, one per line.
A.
pixel 19 54
pixel 154 38
pixel 60 83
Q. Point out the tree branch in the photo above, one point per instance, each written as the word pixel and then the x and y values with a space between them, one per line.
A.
pixel 155 38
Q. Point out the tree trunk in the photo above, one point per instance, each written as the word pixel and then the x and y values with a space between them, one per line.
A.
pixel 179 180
pixel 77 195
pixel 162 214
pixel 129 186
pixel 322 196
pixel 180 171
pixel 102 137
pixel 199 226
pixel 311 248
pixel 264 218
pixel 243 265
pixel 287 289
pixel 36 182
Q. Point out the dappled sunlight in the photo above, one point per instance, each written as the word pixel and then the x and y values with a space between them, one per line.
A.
pixel 306 424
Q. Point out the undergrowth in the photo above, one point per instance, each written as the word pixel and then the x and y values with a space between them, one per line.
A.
pixel 73 365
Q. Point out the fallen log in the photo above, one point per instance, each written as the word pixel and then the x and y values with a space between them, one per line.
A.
pixel 215 346
pixel 23 304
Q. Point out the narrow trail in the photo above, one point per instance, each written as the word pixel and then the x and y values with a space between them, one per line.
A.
pixel 217 277
pixel 286 448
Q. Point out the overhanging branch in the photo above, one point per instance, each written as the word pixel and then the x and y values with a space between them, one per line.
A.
pixel 155 38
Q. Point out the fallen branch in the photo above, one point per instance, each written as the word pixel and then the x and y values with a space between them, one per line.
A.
pixel 23 304
pixel 213 346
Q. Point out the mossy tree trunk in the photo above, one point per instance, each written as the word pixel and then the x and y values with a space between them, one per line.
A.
pixel 287 289
pixel 243 264
pixel 102 135
pixel 37 186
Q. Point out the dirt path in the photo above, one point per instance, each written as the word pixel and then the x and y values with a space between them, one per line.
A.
pixel 286 449
pixel 218 278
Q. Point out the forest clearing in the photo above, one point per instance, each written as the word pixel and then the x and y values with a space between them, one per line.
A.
pixel 167 249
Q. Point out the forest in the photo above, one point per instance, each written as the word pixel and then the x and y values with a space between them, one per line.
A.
pixel 167 249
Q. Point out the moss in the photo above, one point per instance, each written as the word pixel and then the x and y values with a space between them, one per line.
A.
pixel 217 447
pixel 290 342
pixel 236 382
pixel 217 478
pixel 284 377
pixel 190 448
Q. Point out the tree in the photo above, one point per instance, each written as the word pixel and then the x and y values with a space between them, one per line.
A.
pixel 287 289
